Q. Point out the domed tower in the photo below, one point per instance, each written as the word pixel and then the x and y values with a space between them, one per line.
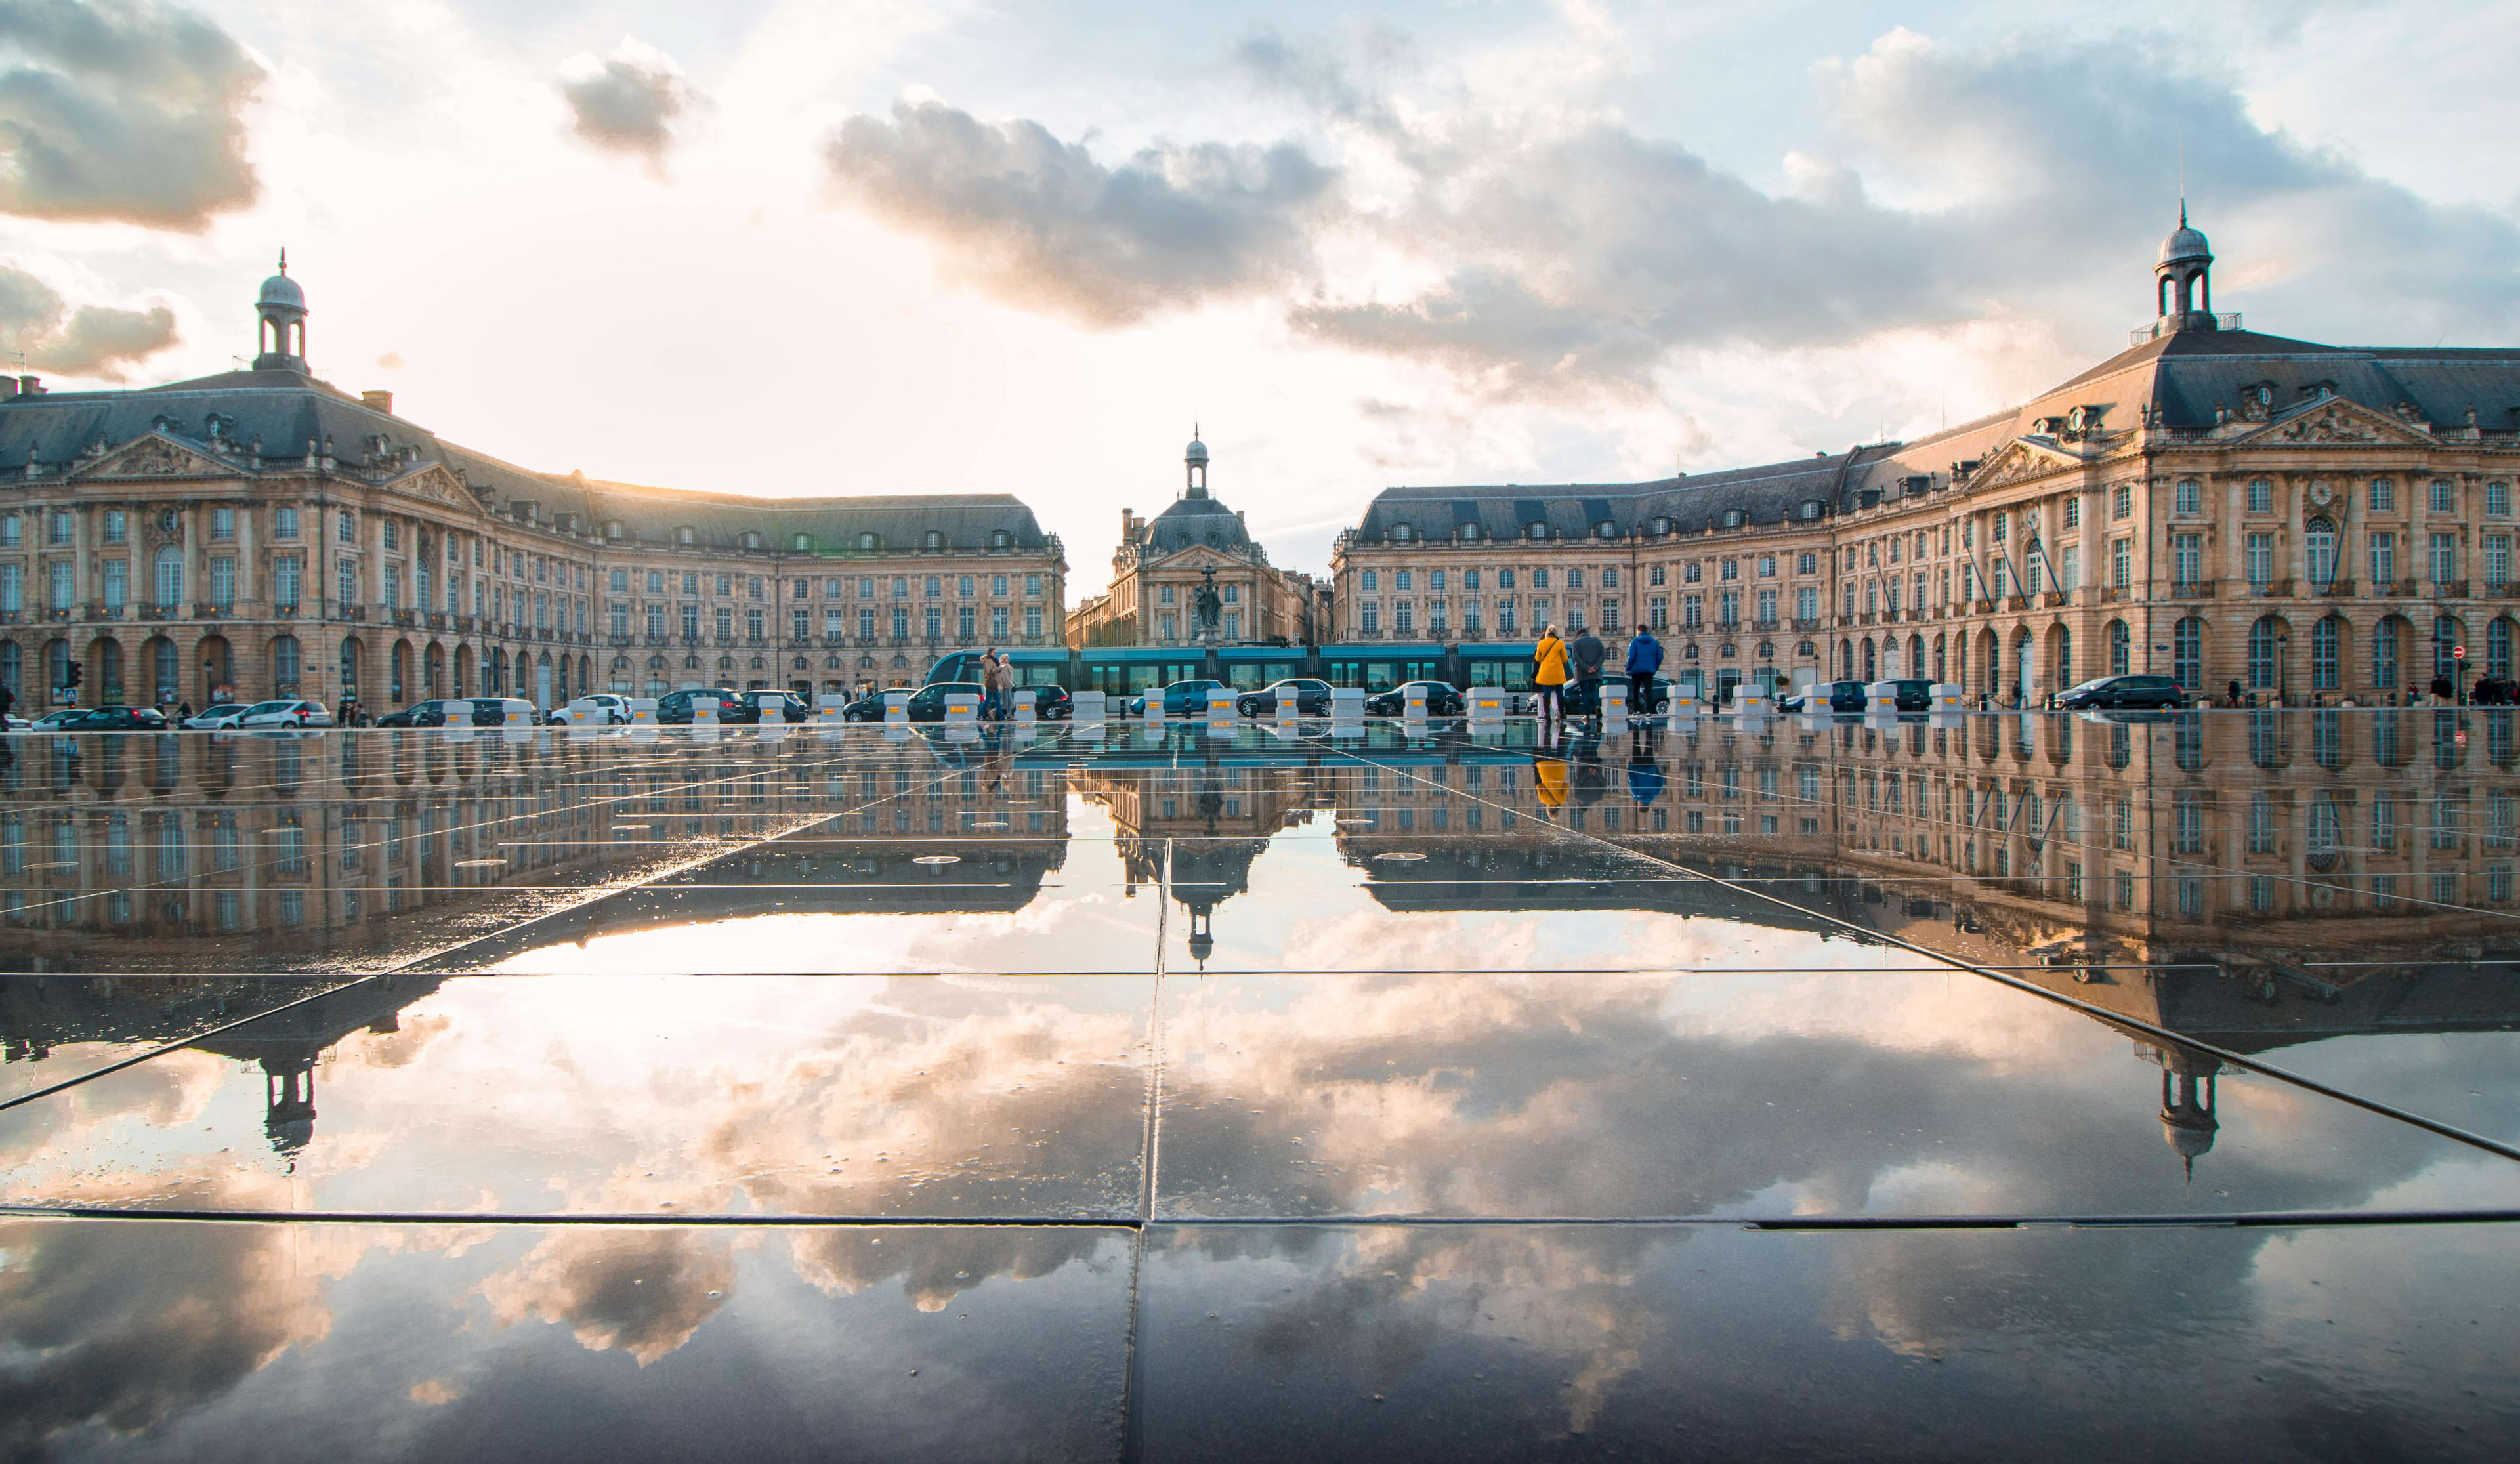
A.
pixel 2184 280
pixel 281 338
pixel 1194 461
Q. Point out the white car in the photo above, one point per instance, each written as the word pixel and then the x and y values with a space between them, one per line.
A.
pixel 610 710
pixel 217 716
pixel 286 712
pixel 511 711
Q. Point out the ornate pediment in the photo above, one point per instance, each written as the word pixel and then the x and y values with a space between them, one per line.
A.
pixel 439 485
pixel 155 456
pixel 2020 461
pixel 2334 422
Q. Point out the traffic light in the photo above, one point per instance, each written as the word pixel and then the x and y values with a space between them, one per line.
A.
pixel 78 675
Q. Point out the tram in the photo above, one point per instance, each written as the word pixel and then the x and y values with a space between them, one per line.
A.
pixel 1123 670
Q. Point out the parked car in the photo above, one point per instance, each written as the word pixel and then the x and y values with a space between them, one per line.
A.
pixel 1443 699
pixel 1312 698
pixel 1830 696
pixel 1180 699
pixel 927 704
pixel 217 715
pixel 609 711
pixel 762 703
pixel 113 718
pixel 674 708
pixel 2155 692
pixel 288 711
pixel 867 708
pixel 1578 704
pixel 430 712
pixel 503 711
pixel 51 721
pixel 1051 703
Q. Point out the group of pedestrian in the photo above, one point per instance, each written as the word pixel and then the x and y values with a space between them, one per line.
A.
pixel 1558 662
pixel 997 686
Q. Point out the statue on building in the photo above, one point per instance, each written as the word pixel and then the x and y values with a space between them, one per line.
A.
pixel 1207 605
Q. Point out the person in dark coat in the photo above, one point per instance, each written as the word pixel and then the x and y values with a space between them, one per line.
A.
pixel 1588 655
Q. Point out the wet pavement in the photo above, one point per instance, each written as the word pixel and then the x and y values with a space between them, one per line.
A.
pixel 2021 1086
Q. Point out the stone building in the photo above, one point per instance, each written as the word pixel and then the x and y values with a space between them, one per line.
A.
pixel 2315 522
pixel 1164 561
pixel 260 533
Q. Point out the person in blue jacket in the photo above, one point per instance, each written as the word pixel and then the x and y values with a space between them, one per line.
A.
pixel 1645 658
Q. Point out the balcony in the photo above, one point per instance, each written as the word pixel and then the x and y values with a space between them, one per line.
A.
pixel 2199 589
pixel 2332 588
pixel 2450 589
pixel 2016 602
pixel 2271 589
pixel 2056 598
pixel 284 612
pixel 2115 595
pixel 2392 589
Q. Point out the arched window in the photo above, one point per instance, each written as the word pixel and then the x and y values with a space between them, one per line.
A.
pixel 170 578
pixel 2498 647
pixel 612 529
pixel 2319 546
pixel 869 541
pixel 685 535
pixel 1605 529
pixel 2384 654
pixel 934 540
pixel 1535 529
pixel 1469 533
pixel 752 540
pixel 2446 638
pixel 2326 654
pixel 2188 654
pixel 284 672
pixel 2262 654
pixel 1001 539
pixel 802 544
pixel 1400 533
pixel 2121 648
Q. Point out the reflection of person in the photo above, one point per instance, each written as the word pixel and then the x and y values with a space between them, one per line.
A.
pixel 1645 775
pixel 1549 777
pixel 1550 676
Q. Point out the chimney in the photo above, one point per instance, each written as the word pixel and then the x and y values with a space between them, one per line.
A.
pixel 29 387
pixel 8 388
pixel 377 400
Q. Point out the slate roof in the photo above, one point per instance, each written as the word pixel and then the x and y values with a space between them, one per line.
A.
pixel 286 410
pixel 2182 376
pixel 1195 521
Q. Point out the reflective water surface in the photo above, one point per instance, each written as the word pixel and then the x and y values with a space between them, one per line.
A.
pixel 1181 1091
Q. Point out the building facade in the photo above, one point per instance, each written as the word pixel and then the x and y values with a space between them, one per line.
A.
pixel 261 534
pixel 2317 524
pixel 1163 562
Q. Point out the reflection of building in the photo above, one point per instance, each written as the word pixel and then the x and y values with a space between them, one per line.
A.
pixel 2312 520
pixel 1216 817
pixel 261 533
pixel 1165 563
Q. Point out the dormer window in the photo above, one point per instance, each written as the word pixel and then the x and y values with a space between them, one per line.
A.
pixel 802 544
pixel 612 530
pixel 1469 533
pixel 1400 533
pixel 752 540
pixel 1001 539
pixel 1605 529
pixel 1535 530
pixel 686 536
pixel 1811 508
pixel 934 541
pixel 869 542
pixel 1733 518
pixel 1661 526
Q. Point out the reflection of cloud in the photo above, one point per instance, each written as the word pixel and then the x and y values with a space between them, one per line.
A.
pixel 122 109
pixel 644 1292
pixel 122 1326
pixel 941 1263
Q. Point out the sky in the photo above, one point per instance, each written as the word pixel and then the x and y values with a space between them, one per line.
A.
pixel 943 245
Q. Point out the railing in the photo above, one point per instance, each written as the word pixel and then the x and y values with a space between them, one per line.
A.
pixel 2271 589
pixel 2332 588
pixel 2450 589
pixel 2054 598
pixel 2197 590
pixel 2392 589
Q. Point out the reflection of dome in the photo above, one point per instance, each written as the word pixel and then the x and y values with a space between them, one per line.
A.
pixel 2187 1123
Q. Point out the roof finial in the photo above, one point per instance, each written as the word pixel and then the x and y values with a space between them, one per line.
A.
pixel 284 257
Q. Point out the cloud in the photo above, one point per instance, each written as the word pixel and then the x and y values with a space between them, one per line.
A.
pixel 124 110
pixel 93 341
pixel 1040 224
pixel 632 101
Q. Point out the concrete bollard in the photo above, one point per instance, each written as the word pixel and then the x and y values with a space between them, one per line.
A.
pixel 1750 700
pixel 1882 699
pixel 1087 709
pixel 704 711
pixel 1412 704
pixel 1220 706
pixel 1023 708
pixel 1485 704
pixel 896 706
pixel 1614 702
pixel 1347 707
pixel 829 708
pixel 643 711
pixel 961 709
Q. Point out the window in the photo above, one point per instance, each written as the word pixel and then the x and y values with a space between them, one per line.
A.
pixel 11 531
pixel 63 582
pixel 1540 579
pixel 2319 546
pixel 2497 500
pixel 961 587
pixel 2384 655
pixel 117 526
pixel 2263 654
pixel 1032 585
pixel 1655 575
pixel 1609 578
pixel 346 526
pixel 1692 612
pixel 2258 558
pixel 2187 653
pixel 1371 581
pixel 2073 519
pixel 58 527
pixel 1369 617
pixel 2384 560
pixel 2120 647
pixel 2384 496
pixel 2443 561
pixel 223 577
pixel 1807 602
pixel 2443 499
pixel 2186 558
pixel 2498 647
pixel 1505 579
pixel 2497 560
pixel 2262 496
pixel 1806 563
pixel 2326 654
pixel 170 578
pixel 2189 497
pixel 1403 581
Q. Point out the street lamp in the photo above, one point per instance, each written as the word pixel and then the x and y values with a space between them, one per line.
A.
pixel 2283 668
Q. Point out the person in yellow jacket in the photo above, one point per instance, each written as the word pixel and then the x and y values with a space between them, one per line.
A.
pixel 1550 658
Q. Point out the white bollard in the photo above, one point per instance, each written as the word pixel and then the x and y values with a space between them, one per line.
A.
pixel 1486 703
pixel 828 707
pixel 1412 704
pixel 643 711
pixel 896 706
pixel 1882 699
pixel 584 717
pixel 1347 703
pixel 1684 705
pixel 1948 699
pixel 1289 707
pixel 1085 709
pixel 1023 709
pixel 1750 700
pixel 703 711
pixel 962 708
pixel 1220 706
pixel 1614 702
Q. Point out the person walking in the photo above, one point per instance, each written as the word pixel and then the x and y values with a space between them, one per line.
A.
pixel 1589 657
pixel 1645 658
pixel 1548 673
pixel 1002 686
pixel 989 684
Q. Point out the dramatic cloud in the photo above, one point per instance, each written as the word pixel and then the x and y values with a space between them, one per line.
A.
pixel 93 341
pixel 632 101
pixel 121 110
pixel 1040 224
